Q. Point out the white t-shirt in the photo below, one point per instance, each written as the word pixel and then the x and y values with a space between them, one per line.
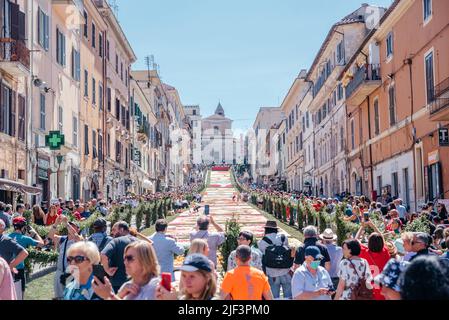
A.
pixel 147 292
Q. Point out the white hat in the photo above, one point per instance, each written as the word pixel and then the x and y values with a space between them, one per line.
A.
pixel 328 234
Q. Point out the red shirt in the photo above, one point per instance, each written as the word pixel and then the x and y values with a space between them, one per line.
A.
pixel 377 262
pixel 51 219
pixel 77 215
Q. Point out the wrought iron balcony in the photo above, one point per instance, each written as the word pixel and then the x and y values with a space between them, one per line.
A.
pixel 364 82
pixel 439 107
pixel 14 57
pixel 442 88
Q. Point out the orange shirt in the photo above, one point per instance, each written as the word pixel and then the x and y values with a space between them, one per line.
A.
pixel 245 283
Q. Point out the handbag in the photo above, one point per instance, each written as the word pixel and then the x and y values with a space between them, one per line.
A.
pixel 360 291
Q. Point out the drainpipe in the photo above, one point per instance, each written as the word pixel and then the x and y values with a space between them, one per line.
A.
pixel 370 145
pixel 409 62
pixel 105 112
pixel 29 126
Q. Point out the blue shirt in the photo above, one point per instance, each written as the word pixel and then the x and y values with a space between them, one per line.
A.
pixel 166 248
pixel 402 211
pixel 304 281
pixel 336 254
pixel 86 214
pixel 25 242
pixel 74 291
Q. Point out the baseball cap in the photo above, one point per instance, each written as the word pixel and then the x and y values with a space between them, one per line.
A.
pixel 314 252
pixel 19 220
pixel 195 262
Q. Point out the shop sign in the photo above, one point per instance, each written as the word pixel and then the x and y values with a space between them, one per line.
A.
pixel 443 135
pixel 434 157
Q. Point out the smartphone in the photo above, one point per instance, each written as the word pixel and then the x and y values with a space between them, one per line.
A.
pixel 206 210
pixel 99 272
pixel 166 281
pixel 366 216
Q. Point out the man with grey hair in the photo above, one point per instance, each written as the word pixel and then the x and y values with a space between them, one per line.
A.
pixel 420 244
pixel 214 239
pixel 311 239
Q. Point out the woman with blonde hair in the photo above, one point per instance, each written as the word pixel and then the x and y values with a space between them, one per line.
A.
pixel 198 281
pixel 81 257
pixel 143 268
pixel 199 246
pixel 51 216
pixel 202 247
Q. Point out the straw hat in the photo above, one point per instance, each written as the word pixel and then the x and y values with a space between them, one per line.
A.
pixel 328 234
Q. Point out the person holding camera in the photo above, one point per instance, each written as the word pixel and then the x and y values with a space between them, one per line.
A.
pixel 63 243
pixel 27 237
pixel 214 239
pixel 376 253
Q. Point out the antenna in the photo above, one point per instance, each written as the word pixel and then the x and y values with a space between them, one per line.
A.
pixel 148 61
pixel 114 6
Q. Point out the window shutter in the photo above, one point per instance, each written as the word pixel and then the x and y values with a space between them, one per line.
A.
pixel 73 63
pixel 46 31
pixel 58 45
pixel 86 140
pixel 440 181
pixel 78 66
pixel 12 124
pixel 14 19
pixel 63 50
pixel 40 28
pixel 430 183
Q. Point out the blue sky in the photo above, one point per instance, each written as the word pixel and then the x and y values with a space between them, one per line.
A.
pixel 245 53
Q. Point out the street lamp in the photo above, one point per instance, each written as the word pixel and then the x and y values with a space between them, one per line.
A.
pixel 59 159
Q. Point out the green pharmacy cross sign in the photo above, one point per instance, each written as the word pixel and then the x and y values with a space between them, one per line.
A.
pixel 54 140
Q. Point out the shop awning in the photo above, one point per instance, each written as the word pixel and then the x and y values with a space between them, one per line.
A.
pixel 14 186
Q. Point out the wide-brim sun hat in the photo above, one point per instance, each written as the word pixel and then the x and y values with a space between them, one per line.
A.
pixel 271 225
pixel 328 234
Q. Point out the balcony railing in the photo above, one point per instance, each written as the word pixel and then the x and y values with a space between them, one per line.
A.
pixel 370 72
pixel 441 88
pixel 438 105
pixel 14 51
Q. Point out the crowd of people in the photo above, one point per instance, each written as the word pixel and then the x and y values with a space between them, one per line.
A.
pixel 377 262
pixel 17 234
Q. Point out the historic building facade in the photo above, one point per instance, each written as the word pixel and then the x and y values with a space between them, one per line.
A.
pixel 217 141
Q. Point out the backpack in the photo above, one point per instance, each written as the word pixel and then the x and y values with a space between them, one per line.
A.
pixel 360 291
pixel 103 243
pixel 277 257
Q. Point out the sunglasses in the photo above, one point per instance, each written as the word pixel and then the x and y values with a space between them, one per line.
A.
pixel 129 258
pixel 77 259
